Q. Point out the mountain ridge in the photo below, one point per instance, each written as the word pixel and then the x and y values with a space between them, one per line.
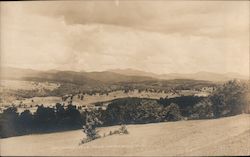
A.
pixel 115 75
pixel 202 75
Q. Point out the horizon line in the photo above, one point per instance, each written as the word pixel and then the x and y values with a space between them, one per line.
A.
pixel 134 69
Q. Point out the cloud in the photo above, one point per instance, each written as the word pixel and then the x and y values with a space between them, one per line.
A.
pixel 155 37
pixel 213 19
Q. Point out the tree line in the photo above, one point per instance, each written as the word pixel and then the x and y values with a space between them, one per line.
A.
pixel 229 99
pixel 45 119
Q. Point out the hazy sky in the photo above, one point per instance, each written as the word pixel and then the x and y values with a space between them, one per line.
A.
pixel 154 36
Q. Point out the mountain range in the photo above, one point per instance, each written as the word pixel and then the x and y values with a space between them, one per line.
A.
pixel 110 76
pixel 208 76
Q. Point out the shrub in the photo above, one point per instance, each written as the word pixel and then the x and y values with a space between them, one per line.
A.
pixel 123 130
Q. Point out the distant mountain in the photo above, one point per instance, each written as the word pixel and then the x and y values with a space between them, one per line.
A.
pixel 17 73
pixel 133 72
pixel 83 78
pixel 72 82
pixel 208 76
pixel 110 76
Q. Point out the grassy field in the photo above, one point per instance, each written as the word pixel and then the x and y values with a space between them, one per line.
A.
pixel 10 88
pixel 224 136
pixel 27 85
pixel 30 103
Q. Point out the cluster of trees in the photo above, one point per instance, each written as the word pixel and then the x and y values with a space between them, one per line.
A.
pixel 185 103
pixel 137 110
pixel 228 99
pixel 45 119
pixel 120 111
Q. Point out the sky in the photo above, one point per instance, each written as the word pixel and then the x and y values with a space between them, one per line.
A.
pixel 153 36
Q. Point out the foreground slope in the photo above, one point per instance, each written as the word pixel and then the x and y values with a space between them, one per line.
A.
pixel 224 136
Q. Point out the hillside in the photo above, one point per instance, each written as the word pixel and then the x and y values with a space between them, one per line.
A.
pixel 224 136
pixel 73 82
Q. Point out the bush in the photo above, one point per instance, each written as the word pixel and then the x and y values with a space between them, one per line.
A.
pixel 123 130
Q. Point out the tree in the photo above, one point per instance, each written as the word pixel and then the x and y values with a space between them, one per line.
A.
pixel 229 99
pixel 25 121
pixel 90 127
pixel 202 110
pixel 60 114
pixel 9 119
pixel 73 116
pixel 45 117
pixel 81 97
pixel 172 112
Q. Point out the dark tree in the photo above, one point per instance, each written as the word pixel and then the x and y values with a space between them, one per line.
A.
pixel 229 99
pixel 26 121
pixel 45 117
pixel 173 112
pixel 9 119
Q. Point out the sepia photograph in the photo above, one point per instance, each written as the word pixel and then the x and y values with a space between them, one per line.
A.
pixel 125 78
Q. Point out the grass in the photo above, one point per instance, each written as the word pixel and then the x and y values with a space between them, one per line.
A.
pixel 223 136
